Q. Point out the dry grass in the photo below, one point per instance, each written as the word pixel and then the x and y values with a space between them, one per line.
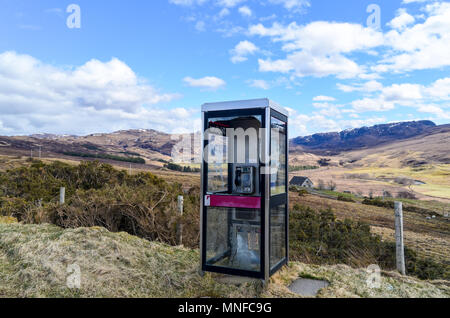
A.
pixel 347 282
pixel 435 247
pixel 427 237
pixel 34 261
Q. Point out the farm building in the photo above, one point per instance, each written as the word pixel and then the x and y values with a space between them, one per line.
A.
pixel 301 182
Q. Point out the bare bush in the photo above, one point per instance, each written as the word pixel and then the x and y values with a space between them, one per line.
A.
pixel 146 211
pixel 406 195
pixel 331 185
pixel 321 184
pixel 404 181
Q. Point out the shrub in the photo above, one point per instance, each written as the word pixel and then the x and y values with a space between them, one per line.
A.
pixel 345 198
pixel 379 202
pixel 104 156
pixel 301 191
pixel 302 168
pixel 406 195
pixel 331 185
pixel 176 167
pixel 148 211
pixel 321 185
pixel 318 237
pixel 323 162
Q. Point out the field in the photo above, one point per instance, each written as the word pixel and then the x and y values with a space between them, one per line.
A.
pixel 428 237
pixel 420 165
pixel 427 233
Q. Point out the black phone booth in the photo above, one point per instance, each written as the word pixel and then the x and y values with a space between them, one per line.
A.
pixel 244 206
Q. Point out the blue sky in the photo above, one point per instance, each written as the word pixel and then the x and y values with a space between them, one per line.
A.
pixel 151 64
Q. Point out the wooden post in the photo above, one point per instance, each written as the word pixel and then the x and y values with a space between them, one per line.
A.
pixel 62 195
pixel 180 225
pixel 399 248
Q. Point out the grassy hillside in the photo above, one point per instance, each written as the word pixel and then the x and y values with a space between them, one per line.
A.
pixel 34 261
pixel 429 238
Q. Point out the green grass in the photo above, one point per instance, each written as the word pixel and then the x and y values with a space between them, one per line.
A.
pixel 337 194
pixel 105 156
pixel 302 168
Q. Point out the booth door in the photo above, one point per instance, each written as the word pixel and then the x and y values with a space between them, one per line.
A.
pixel 278 211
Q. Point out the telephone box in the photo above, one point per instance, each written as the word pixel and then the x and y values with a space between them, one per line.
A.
pixel 244 189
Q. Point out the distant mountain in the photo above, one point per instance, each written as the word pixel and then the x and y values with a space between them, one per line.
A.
pixel 156 147
pixel 153 146
pixel 359 138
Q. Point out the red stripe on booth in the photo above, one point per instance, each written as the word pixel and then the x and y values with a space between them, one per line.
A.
pixel 231 201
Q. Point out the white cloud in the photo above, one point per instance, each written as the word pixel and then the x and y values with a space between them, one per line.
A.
pixel 229 3
pixel 440 89
pixel 414 1
pixel 401 20
pixel 370 86
pixel 242 50
pixel 245 11
pixel 200 26
pixel 96 96
pixel 224 12
pixel 329 120
pixel 294 5
pixel 208 82
pixel 282 66
pixel 322 98
pixel 262 84
pixel 318 48
pixel 187 2
pixel 435 110
pixel 402 92
pixel 305 64
pixel 420 46
pixel 405 94
pixel 372 104
pixel 321 37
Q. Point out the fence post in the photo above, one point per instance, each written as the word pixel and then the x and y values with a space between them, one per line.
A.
pixel 62 195
pixel 180 225
pixel 399 248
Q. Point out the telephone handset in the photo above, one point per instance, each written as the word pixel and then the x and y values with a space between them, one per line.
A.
pixel 238 178
pixel 244 179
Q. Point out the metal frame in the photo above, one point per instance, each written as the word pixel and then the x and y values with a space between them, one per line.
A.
pixel 280 199
pixel 245 104
pixel 266 109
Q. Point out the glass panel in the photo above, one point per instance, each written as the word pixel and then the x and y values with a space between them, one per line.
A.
pixel 278 156
pixel 233 238
pixel 217 163
pixel 277 235
pixel 232 155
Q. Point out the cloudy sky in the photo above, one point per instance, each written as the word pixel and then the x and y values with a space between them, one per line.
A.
pixel 151 64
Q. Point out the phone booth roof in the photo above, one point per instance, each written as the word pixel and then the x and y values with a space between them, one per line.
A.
pixel 245 104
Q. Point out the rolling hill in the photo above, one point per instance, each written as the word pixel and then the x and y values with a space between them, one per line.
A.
pixel 150 143
pixel 333 143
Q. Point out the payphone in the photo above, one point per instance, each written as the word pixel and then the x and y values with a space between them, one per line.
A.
pixel 244 206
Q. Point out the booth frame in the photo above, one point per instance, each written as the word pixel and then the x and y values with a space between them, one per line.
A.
pixel 267 109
